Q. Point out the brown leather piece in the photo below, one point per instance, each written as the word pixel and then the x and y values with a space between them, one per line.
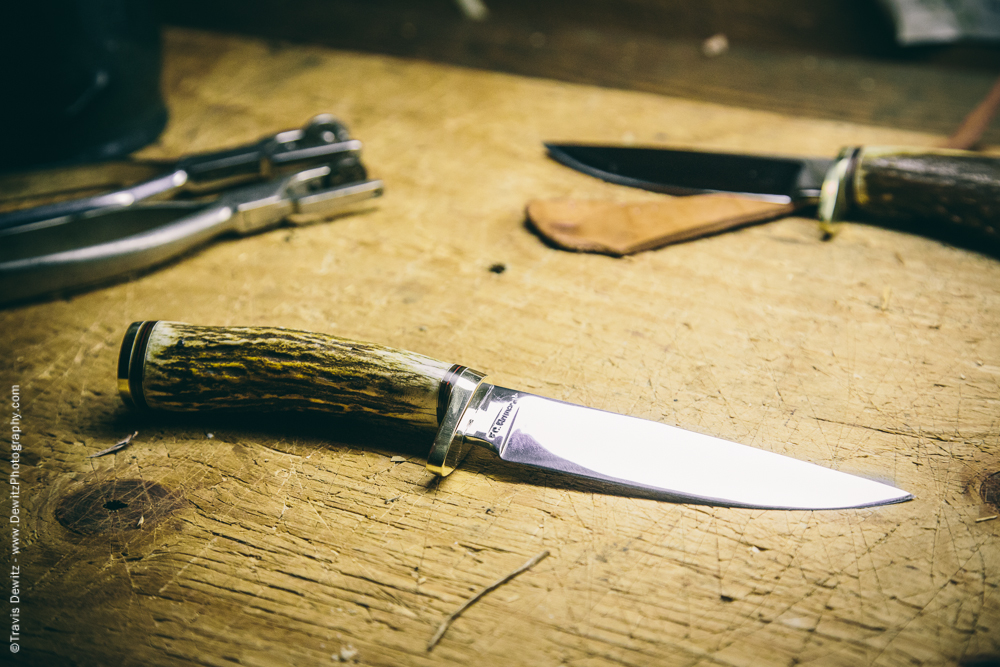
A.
pixel 618 229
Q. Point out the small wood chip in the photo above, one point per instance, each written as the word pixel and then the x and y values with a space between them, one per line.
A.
pixel 346 654
pixel 715 46
pixel 886 297
pixel 986 518
pixel 398 459
pixel 443 628
pixel 121 444
pixel 474 10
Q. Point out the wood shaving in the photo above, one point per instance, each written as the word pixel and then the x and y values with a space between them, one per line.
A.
pixel 121 444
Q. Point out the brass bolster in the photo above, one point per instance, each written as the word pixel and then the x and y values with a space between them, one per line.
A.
pixel 131 364
pixel 450 445
pixel 837 194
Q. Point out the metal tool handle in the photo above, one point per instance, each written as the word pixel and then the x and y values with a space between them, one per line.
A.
pixel 956 191
pixel 186 368
pixel 82 251
pixel 111 200
pixel 323 140
pixel 124 242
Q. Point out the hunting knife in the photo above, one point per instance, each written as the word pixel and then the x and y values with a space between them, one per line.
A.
pixel 181 367
pixel 956 190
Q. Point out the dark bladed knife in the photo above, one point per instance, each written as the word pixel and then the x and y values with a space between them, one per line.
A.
pixel 947 188
pixel 184 368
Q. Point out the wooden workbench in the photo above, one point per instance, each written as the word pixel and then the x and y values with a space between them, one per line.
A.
pixel 281 541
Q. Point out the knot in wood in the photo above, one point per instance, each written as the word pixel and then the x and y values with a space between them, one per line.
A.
pixel 117 505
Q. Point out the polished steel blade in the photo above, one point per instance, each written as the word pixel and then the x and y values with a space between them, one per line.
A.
pixel 663 460
pixel 677 172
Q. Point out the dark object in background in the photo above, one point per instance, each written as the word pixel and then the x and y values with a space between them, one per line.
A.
pixel 81 81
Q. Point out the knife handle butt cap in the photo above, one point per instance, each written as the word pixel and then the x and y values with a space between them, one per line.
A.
pixel 954 190
pixel 185 368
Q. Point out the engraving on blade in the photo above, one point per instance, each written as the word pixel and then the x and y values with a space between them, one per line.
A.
pixel 678 464
pixel 504 419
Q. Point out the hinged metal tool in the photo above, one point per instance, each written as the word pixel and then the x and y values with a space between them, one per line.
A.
pixel 83 250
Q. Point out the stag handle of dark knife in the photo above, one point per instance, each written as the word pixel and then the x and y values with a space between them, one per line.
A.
pixel 178 367
pixel 941 190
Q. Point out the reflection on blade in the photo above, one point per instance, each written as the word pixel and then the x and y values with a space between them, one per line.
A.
pixel 662 459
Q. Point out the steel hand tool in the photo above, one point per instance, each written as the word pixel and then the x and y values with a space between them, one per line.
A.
pixel 83 250
pixel 322 140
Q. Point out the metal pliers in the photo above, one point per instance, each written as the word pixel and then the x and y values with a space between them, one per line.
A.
pixel 321 141
pixel 59 254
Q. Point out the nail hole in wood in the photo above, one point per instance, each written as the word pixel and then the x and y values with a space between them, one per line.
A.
pixel 117 505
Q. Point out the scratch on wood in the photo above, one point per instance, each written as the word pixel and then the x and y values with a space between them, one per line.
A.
pixel 443 628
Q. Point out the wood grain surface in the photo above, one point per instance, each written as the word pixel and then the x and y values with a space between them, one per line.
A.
pixel 287 541
pixel 833 59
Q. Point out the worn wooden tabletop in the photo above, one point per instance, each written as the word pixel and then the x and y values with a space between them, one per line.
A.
pixel 278 541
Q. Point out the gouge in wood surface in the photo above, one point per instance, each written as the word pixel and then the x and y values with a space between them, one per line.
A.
pixel 956 191
pixel 180 367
